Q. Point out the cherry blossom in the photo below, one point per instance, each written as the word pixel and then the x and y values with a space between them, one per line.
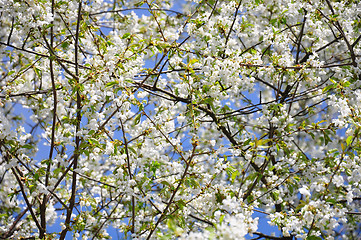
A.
pixel 194 119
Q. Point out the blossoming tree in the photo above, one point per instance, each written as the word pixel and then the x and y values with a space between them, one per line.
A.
pixel 180 119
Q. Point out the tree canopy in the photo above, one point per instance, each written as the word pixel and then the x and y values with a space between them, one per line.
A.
pixel 175 119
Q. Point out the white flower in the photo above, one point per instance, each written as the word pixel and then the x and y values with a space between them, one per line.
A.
pixel 42 188
pixel 181 119
pixel 349 197
pixel 93 124
pixel 338 180
pixel 109 148
pixel 142 94
pixel 308 217
pixel 304 191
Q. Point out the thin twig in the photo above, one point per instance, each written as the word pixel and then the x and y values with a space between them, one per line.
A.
pixel 129 172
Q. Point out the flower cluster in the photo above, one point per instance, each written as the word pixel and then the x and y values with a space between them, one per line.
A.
pixel 180 119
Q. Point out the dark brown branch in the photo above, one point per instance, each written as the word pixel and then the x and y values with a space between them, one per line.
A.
pixel 52 145
pixel 156 20
pixel 230 30
pixel 219 125
pixel 129 172
pixel 137 8
pixel 12 228
pixel 11 30
pixel 353 213
pixel 30 93
pixel 188 163
pixel 202 220
pixel 103 223
pixel 25 50
pixel 356 41
pixel 261 235
pixel 28 204
pixel 77 128
pixel 300 38
pixel 58 59
pixel 71 33
pixel 339 28
pixel 94 180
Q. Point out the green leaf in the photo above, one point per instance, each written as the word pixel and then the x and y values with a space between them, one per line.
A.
pixel 57 171
pixel 192 61
pixel 132 150
pixel 326 137
pixel 312 135
pixel 247 142
pixel 346 84
pixel 155 165
pixel 328 88
pixel 230 170
pixel 219 197
pixel 27 146
pixel 192 183
pixel 48 26
pixel 171 224
pixel 32 188
pixel 38 72
pixel 165 183
pixel 110 84
pixel 234 175
pixel 181 204
pixel 331 200
pixel 258 2
pixel 221 219
pixel 160 49
pixel 349 140
pixel 36 176
pixel 65 45
pixel 93 141
pixel 275 195
pixel 313 237
pixel 139 4
pixel 126 35
pixel 137 119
